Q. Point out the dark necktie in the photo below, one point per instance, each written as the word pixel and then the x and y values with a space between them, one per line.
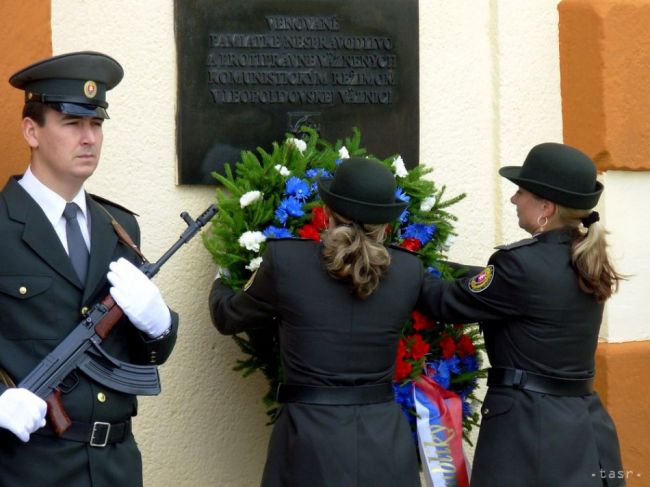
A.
pixel 76 245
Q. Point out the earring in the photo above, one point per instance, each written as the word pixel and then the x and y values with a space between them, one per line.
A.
pixel 540 224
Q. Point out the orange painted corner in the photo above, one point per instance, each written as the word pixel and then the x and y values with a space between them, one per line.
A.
pixel 604 58
pixel 23 40
pixel 623 383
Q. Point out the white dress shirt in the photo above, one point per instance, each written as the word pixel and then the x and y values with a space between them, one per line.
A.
pixel 53 205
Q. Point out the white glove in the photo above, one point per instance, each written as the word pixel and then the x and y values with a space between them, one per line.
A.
pixel 22 412
pixel 139 298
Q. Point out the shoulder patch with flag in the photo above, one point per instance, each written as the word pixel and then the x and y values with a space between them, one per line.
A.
pixel 482 280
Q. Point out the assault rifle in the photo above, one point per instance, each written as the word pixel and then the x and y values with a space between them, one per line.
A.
pixel 81 348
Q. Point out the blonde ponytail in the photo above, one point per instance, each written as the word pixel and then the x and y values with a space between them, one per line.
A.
pixel 589 256
pixel 355 253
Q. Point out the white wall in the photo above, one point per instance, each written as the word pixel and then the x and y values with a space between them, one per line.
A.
pixel 490 90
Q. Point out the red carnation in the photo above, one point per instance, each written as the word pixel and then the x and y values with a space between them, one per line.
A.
pixel 419 347
pixel 402 370
pixel 412 244
pixel 319 218
pixel 447 346
pixel 420 321
pixel 309 231
pixel 465 346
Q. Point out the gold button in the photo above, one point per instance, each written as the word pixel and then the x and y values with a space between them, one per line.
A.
pixel 22 290
pixel 101 397
pixel 84 310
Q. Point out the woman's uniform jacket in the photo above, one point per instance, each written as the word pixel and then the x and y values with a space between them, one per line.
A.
pixel 328 337
pixel 41 301
pixel 534 317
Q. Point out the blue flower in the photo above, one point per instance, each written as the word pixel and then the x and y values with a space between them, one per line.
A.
pixel 453 364
pixel 298 188
pixel 276 232
pixel 434 272
pixel 421 231
pixel 401 195
pixel 316 174
pixel 404 397
pixel 288 207
pixel 440 373
pixel 469 363
pixel 467 409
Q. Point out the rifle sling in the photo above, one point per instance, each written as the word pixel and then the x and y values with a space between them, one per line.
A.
pixel 5 378
pixel 123 235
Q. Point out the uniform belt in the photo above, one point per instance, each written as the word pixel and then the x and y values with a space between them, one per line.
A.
pixel 336 395
pixel 97 434
pixel 530 381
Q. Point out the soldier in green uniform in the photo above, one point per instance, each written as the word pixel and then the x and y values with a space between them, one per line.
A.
pixel 59 254
pixel 540 303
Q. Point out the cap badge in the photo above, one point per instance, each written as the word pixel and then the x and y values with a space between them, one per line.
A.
pixel 482 280
pixel 90 89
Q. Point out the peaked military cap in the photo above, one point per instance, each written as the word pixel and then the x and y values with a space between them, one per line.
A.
pixel 362 190
pixel 558 173
pixel 74 83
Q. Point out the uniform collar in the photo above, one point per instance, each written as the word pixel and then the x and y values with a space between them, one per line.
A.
pixel 50 202
pixel 559 235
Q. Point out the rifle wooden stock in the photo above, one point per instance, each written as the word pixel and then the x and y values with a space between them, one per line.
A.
pixel 110 319
pixel 56 415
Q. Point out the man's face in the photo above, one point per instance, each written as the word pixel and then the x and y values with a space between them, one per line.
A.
pixel 67 147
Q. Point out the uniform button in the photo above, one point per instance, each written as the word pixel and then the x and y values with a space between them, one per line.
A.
pixel 486 411
pixel 101 397
pixel 22 290
pixel 84 311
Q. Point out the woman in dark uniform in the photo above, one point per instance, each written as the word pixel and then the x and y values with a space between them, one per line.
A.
pixel 339 307
pixel 540 302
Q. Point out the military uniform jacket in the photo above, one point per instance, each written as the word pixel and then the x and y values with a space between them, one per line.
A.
pixel 41 300
pixel 534 317
pixel 328 337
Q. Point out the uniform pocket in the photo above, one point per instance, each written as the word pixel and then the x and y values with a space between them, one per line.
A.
pixel 27 311
pixel 496 405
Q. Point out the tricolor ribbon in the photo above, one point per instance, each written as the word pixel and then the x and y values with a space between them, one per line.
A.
pixel 440 434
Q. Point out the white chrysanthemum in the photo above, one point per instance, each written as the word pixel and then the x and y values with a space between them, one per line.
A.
pixel 249 197
pixel 399 167
pixel 343 153
pixel 283 170
pixel 301 145
pixel 254 264
pixel 252 240
pixel 427 203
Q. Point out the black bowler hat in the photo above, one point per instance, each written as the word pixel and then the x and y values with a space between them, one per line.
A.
pixel 362 190
pixel 75 83
pixel 558 173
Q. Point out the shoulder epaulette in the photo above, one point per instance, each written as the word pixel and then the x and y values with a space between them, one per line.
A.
pixel 408 251
pixel 520 243
pixel 104 201
pixel 290 239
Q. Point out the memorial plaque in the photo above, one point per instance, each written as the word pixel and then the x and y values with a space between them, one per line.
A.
pixel 249 71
